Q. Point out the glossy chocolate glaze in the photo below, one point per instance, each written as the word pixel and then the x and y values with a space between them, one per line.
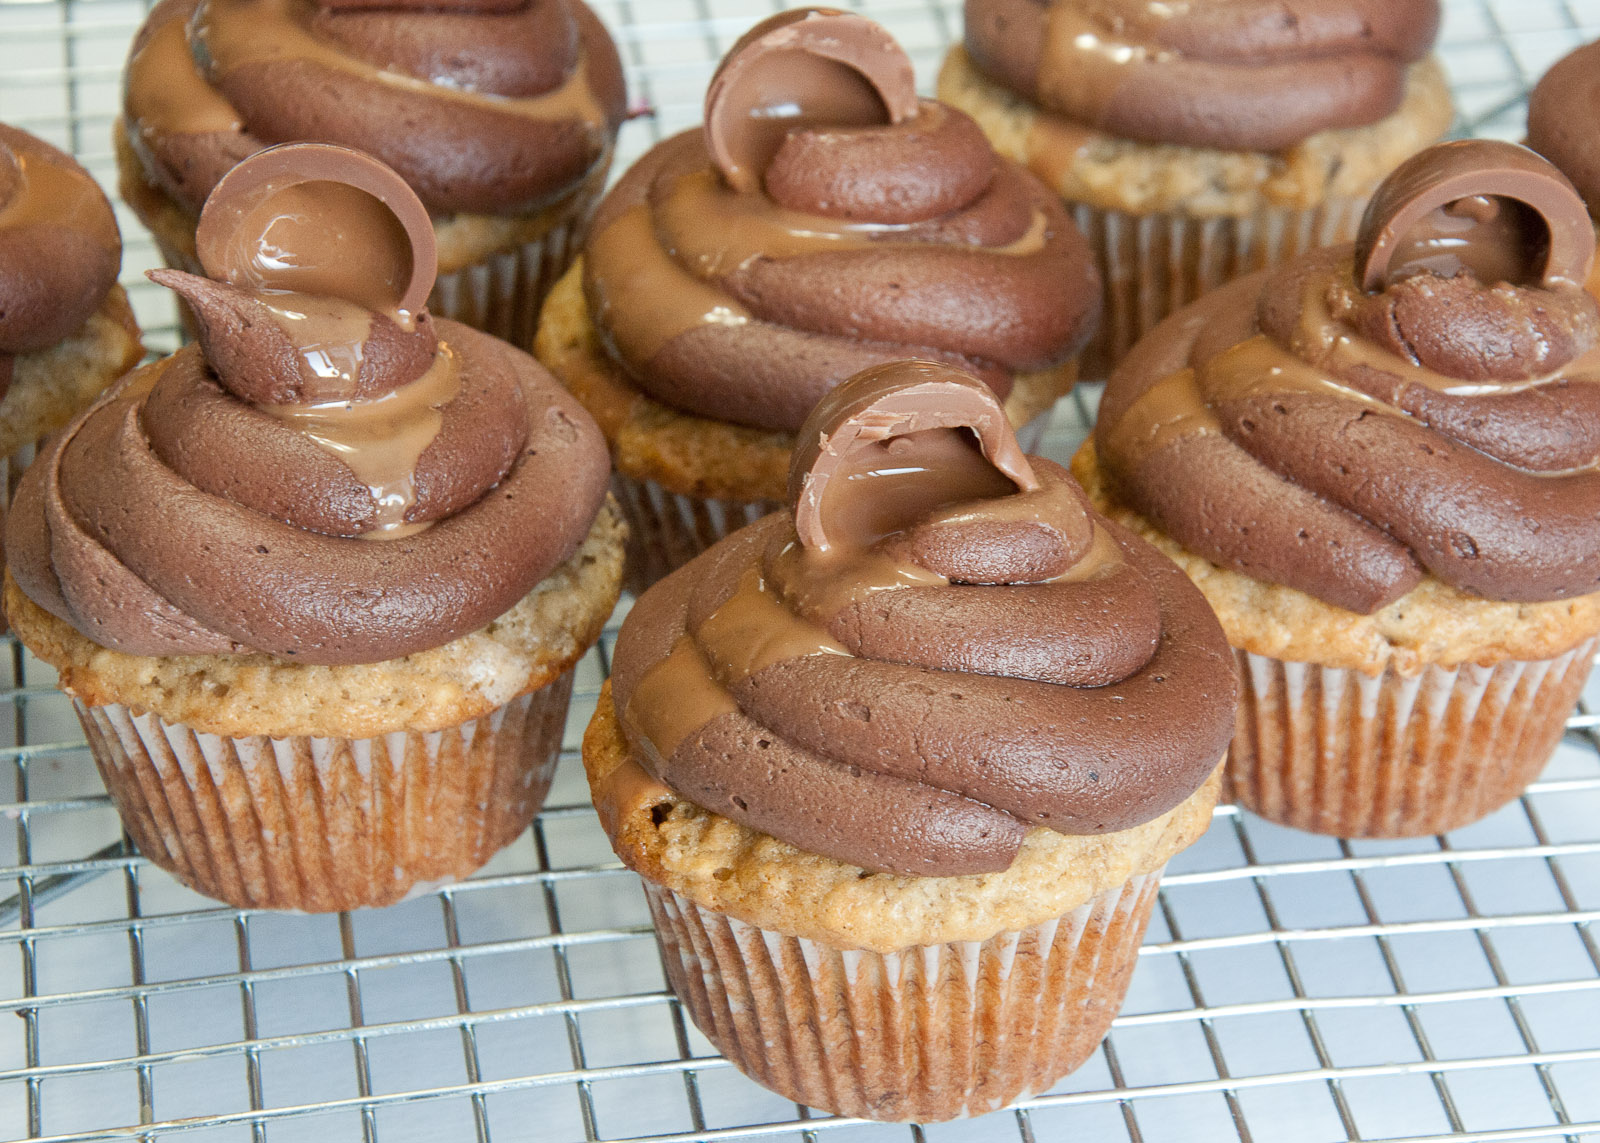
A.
pixel 1306 431
pixel 818 227
pixel 316 479
pixel 59 246
pixel 1253 75
pixel 494 109
pixel 941 647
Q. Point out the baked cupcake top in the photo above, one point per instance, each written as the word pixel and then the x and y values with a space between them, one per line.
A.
pixel 59 246
pixel 939 646
pixel 1424 402
pixel 483 106
pixel 825 220
pixel 1562 120
pixel 1243 75
pixel 330 475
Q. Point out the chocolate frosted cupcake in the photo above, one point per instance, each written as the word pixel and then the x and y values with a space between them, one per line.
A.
pixel 825 220
pixel 1379 464
pixel 66 330
pixel 317 583
pixel 1198 142
pixel 501 114
pixel 901 766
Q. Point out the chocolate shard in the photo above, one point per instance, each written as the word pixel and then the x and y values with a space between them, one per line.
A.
pixel 802 68
pixel 884 406
pixel 371 243
pixel 1480 205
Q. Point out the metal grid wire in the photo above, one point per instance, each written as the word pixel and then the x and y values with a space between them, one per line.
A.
pixel 1292 988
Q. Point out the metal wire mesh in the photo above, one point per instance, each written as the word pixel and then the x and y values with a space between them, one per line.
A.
pixel 1291 987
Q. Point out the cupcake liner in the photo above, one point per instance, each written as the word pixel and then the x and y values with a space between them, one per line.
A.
pixel 502 294
pixel 1339 752
pixel 924 1034
pixel 1154 264
pixel 325 824
pixel 668 529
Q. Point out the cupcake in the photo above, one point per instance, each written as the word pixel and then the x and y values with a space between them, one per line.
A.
pixel 1379 464
pixel 66 330
pixel 501 114
pixel 1198 142
pixel 824 220
pixel 1561 124
pixel 317 583
pixel 900 766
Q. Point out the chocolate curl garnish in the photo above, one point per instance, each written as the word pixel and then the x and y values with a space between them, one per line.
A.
pixel 888 401
pixel 302 217
pixel 257 362
pixel 809 66
pixel 1475 204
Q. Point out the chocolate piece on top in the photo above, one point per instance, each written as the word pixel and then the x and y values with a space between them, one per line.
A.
pixel 369 240
pixel 1494 209
pixel 809 66
pixel 912 419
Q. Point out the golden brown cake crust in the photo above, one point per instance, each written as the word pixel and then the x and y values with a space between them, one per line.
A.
pixel 1433 624
pixel 464 239
pixel 686 454
pixel 768 883
pixel 242 695
pixel 49 387
pixel 1146 178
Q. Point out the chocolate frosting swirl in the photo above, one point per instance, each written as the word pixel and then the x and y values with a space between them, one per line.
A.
pixel 483 107
pixel 332 477
pixel 1247 75
pixel 1306 431
pixel 59 246
pixel 825 221
pixel 1562 113
pixel 942 646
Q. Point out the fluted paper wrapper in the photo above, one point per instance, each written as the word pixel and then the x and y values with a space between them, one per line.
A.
pixel 668 529
pixel 502 295
pixel 1154 264
pixel 924 1034
pixel 324 824
pixel 1340 752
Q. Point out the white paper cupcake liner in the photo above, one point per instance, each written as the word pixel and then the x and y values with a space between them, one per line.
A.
pixel 323 824
pixel 502 295
pixel 1340 752
pixel 668 529
pixel 1154 264
pixel 925 1034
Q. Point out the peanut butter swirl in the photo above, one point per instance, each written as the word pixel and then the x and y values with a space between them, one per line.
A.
pixel 824 221
pixel 486 107
pixel 59 246
pixel 330 475
pixel 941 647
pixel 1248 75
pixel 1344 441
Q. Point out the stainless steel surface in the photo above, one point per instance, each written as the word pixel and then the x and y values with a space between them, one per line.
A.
pixel 1292 988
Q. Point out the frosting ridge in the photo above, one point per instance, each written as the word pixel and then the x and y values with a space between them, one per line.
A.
pixel 942 647
pixel 59 246
pixel 481 108
pixel 1249 75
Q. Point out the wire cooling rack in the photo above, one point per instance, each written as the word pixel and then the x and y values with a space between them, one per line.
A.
pixel 1292 989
